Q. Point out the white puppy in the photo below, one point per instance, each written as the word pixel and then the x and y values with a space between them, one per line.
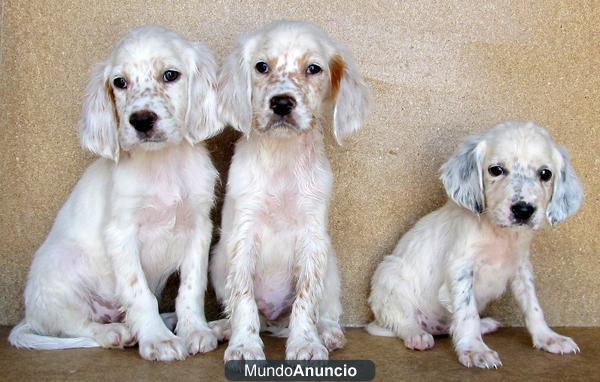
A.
pixel 280 87
pixel 503 184
pixel 138 214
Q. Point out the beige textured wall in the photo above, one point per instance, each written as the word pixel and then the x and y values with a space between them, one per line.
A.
pixel 438 71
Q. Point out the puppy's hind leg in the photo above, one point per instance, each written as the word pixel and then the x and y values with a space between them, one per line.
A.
pixel 397 317
pixel 112 335
pixel 330 308
pixel 394 313
pixel 60 310
pixel 86 320
pixel 65 321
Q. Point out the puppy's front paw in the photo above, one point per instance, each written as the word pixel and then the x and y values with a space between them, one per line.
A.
pixel 478 355
pixel 555 343
pixel 248 350
pixel 302 351
pixel 199 341
pixel 332 336
pixel 170 348
pixel 419 341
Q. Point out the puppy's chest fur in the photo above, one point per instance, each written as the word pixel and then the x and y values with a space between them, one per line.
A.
pixel 496 260
pixel 292 193
pixel 167 199
pixel 281 206
pixel 161 216
pixel 167 206
pixel 496 255
pixel 164 221
pixel 281 213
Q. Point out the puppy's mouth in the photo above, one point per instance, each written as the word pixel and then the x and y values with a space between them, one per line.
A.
pixel 512 223
pixel 151 136
pixel 285 122
pixel 153 140
pixel 521 225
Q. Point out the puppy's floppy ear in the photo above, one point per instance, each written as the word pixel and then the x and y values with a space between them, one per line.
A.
pixel 351 95
pixel 567 195
pixel 202 119
pixel 235 89
pixel 462 175
pixel 98 124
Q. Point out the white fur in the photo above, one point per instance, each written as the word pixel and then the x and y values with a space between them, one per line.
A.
pixel 135 216
pixel 456 260
pixel 275 256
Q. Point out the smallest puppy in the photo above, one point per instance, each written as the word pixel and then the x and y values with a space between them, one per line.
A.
pixel 502 186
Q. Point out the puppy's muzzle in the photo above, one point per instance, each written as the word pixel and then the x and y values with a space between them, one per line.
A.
pixel 143 120
pixel 522 212
pixel 282 105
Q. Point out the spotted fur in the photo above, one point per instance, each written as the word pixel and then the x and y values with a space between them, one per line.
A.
pixel 461 257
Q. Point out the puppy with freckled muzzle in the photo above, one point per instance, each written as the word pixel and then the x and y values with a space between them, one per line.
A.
pixel 503 185
pixel 281 87
pixel 136 215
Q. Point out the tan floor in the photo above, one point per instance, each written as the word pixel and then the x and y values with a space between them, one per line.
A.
pixel 393 362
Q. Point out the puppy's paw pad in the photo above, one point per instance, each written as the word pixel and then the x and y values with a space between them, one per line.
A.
pixel 244 351
pixel 333 337
pixel 486 359
pixel 307 351
pixel 200 341
pixel 489 325
pixel 169 349
pixel 557 344
pixel 421 341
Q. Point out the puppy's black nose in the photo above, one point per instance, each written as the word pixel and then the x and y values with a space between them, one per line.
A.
pixel 143 120
pixel 522 211
pixel 282 105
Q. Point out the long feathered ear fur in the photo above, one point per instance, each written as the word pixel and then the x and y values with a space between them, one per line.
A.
pixel 462 175
pixel 567 195
pixel 351 95
pixel 98 125
pixel 202 118
pixel 235 91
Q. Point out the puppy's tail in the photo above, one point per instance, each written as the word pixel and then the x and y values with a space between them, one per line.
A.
pixel 376 330
pixel 22 336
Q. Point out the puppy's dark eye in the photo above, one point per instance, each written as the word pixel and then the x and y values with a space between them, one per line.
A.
pixel 545 175
pixel 120 82
pixel 170 75
pixel 313 69
pixel 262 67
pixel 496 171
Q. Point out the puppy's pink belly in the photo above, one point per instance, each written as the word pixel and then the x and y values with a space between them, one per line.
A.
pixel 273 301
